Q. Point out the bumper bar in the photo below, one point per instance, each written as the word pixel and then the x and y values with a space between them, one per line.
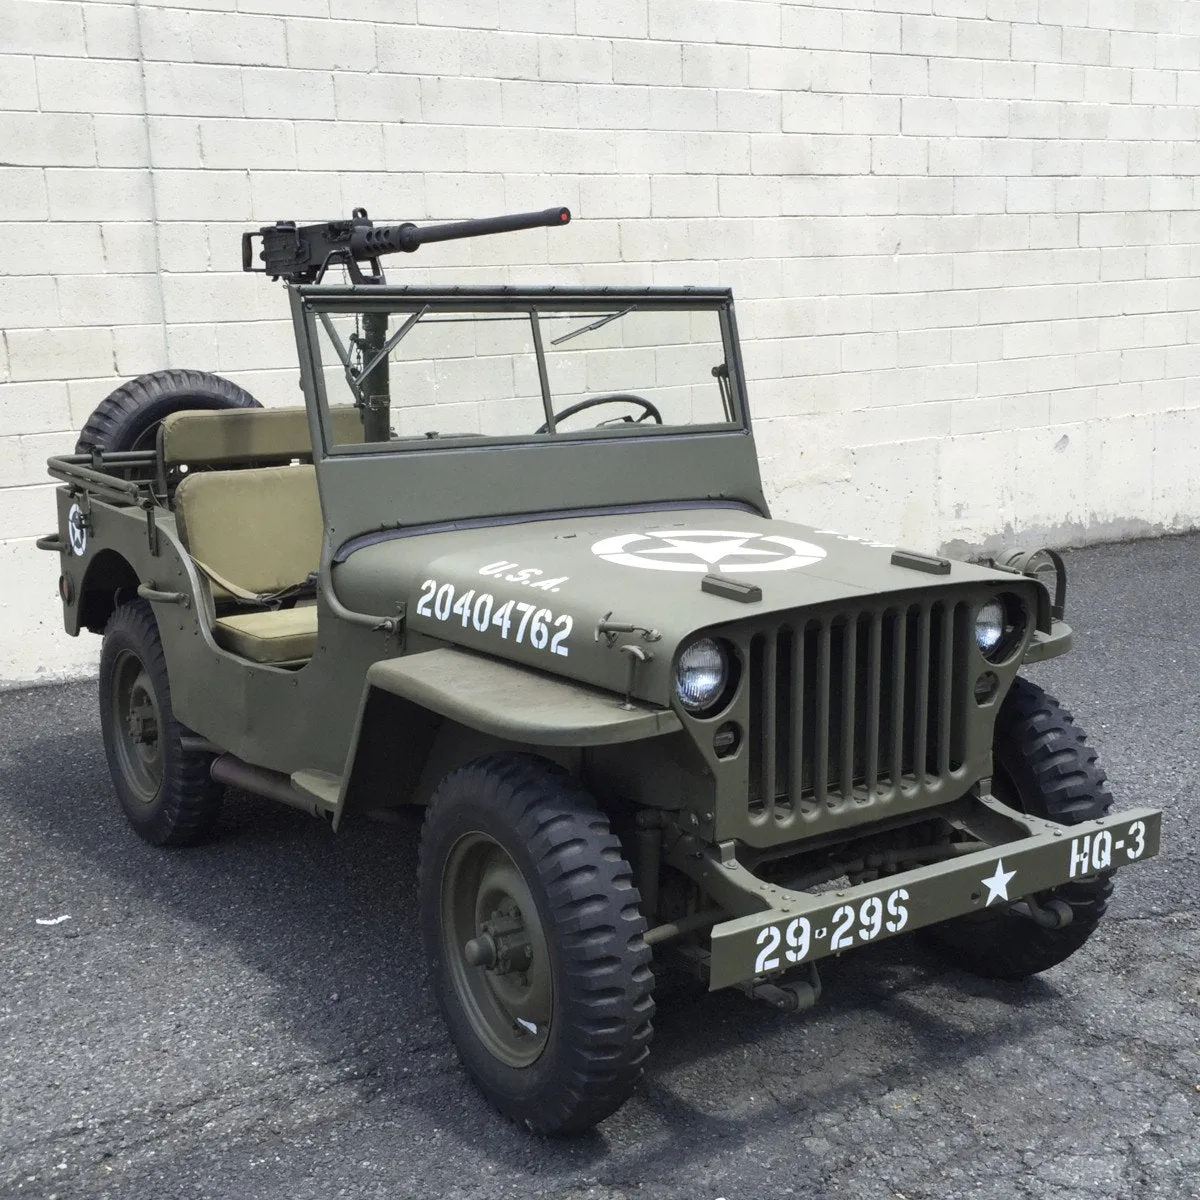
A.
pixel 802 927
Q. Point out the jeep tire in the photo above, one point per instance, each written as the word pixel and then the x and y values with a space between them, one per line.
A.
pixel 1042 765
pixel 167 793
pixel 128 418
pixel 533 930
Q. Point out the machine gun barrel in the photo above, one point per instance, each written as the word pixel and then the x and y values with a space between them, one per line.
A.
pixel 410 237
pixel 303 253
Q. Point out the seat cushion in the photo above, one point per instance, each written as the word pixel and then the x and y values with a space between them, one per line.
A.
pixel 270 637
pixel 259 528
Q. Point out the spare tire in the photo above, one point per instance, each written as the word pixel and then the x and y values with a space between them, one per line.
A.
pixel 128 419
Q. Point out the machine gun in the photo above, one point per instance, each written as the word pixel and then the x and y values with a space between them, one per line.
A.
pixel 303 253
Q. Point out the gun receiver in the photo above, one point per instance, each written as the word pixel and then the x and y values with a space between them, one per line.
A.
pixel 303 253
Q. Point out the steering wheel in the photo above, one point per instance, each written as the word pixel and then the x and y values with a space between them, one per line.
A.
pixel 650 412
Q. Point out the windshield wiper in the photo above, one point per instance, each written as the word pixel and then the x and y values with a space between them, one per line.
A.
pixel 566 337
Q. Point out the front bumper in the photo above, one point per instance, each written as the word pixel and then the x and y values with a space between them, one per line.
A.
pixel 798 927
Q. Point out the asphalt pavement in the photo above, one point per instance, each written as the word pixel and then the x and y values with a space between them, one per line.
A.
pixel 250 1018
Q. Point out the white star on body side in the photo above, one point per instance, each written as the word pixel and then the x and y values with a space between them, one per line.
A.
pixel 997 884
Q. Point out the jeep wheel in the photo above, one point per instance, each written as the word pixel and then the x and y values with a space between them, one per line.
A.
pixel 166 791
pixel 128 418
pixel 1043 766
pixel 533 931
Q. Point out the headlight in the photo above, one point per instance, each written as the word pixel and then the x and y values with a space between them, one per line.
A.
pixel 999 626
pixel 701 674
pixel 989 626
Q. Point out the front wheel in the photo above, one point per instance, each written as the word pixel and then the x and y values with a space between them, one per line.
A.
pixel 533 930
pixel 1042 765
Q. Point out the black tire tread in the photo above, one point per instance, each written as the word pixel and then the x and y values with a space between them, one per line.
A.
pixel 189 799
pixel 126 412
pixel 1057 775
pixel 605 981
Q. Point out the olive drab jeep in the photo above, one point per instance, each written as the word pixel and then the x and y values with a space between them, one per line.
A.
pixel 511 562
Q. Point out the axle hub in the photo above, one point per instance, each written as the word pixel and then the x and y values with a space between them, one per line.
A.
pixel 142 726
pixel 502 945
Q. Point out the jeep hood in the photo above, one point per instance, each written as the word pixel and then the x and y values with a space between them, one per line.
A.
pixel 537 592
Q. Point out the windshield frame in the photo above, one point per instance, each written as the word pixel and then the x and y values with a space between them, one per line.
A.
pixel 311 303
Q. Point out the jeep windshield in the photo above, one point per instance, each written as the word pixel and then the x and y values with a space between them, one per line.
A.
pixel 415 369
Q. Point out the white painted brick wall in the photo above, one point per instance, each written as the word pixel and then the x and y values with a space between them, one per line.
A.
pixel 964 232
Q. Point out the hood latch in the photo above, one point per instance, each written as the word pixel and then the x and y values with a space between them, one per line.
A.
pixel 610 630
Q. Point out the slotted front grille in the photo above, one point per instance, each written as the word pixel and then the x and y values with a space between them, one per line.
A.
pixel 854 709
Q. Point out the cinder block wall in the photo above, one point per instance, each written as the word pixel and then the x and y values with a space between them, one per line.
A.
pixel 963 232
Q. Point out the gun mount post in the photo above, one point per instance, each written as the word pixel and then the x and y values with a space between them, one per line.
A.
pixel 376 385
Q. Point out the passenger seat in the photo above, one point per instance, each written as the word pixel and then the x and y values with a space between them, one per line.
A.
pixel 255 532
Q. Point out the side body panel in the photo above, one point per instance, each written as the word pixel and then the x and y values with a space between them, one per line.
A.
pixel 273 717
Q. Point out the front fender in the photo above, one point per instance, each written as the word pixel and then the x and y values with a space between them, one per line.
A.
pixel 1049 645
pixel 516 703
pixel 410 703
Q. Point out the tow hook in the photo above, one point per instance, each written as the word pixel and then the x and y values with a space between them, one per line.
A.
pixel 1054 914
pixel 793 996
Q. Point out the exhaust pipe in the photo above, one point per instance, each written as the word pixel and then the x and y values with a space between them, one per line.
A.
pixel 274 785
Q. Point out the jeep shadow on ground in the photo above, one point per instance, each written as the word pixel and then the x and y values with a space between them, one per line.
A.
pixel 331 920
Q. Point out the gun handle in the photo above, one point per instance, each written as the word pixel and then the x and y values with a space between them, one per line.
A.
pixel 248 253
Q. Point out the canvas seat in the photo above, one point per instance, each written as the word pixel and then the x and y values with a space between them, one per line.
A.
pixel 255 532
pixel 285 635
pixel 243 437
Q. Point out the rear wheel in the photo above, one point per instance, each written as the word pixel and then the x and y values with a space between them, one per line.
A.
pixel 166 791
pixel 533 931
pixel 1042 766
pixel 128 418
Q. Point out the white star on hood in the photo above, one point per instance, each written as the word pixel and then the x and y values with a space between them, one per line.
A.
pixel 712 552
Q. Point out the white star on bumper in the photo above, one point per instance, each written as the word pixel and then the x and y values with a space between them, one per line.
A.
pixel 997 884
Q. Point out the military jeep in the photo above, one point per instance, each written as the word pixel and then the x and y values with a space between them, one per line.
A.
pixel 512 562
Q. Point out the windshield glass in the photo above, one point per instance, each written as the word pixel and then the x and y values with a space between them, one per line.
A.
pixel 428 372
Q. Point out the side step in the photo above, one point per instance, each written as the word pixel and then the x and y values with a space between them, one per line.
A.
pixel 321 786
